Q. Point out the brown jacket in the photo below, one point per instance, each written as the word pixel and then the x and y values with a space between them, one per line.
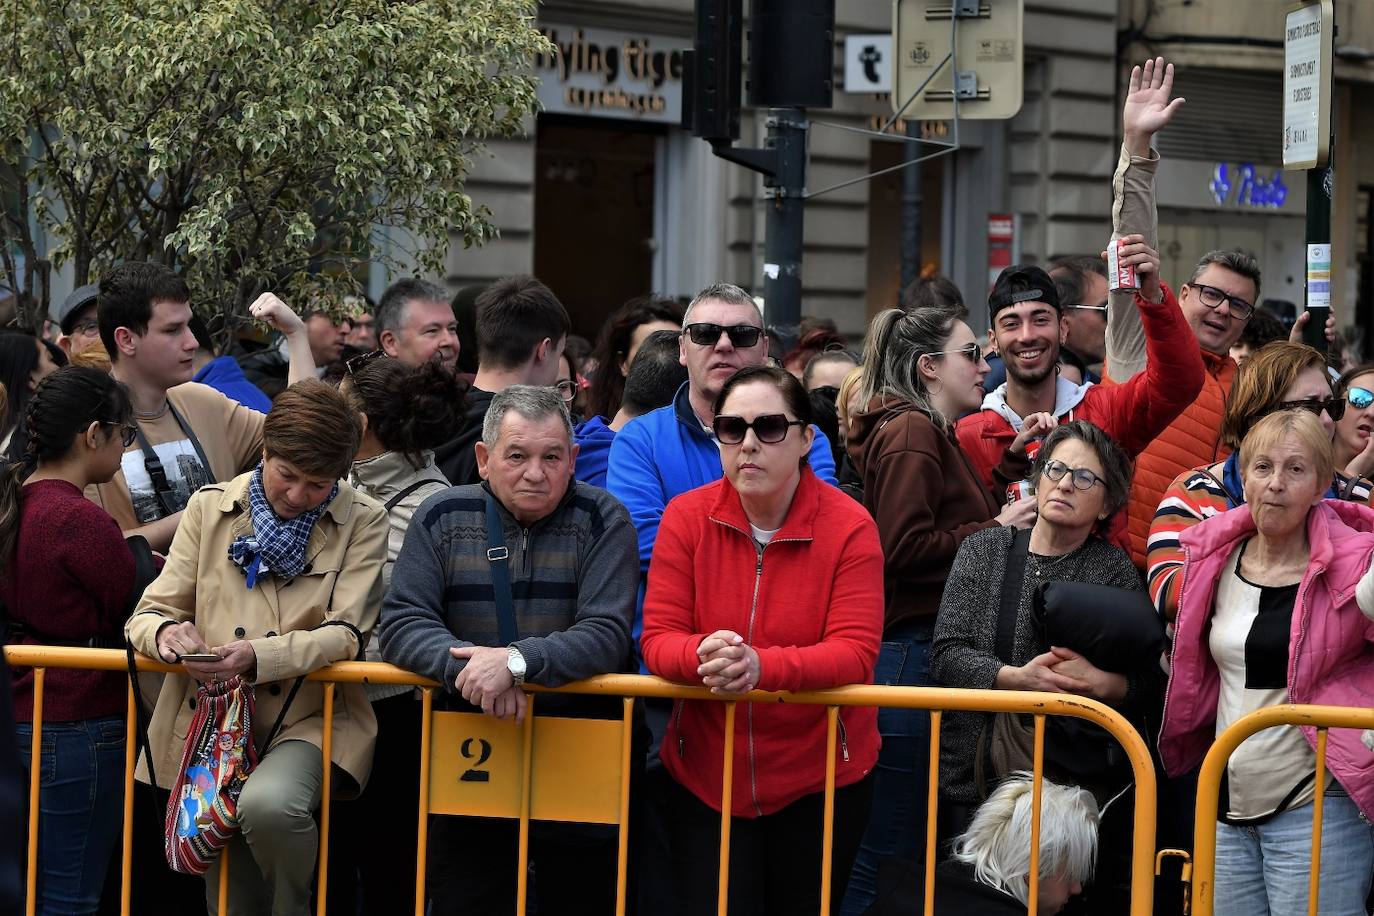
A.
pixel 281 619
pixel 925 496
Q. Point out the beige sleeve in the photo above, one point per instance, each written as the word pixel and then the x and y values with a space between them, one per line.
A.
pixel 1133 212
pixel 172 595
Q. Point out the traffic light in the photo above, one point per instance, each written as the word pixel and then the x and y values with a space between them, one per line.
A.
pixel 711 72
pixel 791 53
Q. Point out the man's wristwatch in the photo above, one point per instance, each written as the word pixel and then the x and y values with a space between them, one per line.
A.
pixel 515 663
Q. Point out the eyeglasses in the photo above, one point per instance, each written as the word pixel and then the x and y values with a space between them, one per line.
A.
pixel 85 326
pixel 769 428
pixel 973 353
pixel 1213 298
pixel 358 363
pixel 129 433
pixel 742 336
pixel 1334 407
pixel 1359 398
pixel 567 390
pixel 1083 479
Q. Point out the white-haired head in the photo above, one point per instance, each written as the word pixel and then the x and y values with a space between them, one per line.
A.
pixel 997 843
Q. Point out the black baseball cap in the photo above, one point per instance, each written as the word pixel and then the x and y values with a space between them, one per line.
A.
pixel 65 314
pixel 1018 284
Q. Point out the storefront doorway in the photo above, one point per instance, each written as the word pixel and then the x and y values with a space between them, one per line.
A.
pixel 594 214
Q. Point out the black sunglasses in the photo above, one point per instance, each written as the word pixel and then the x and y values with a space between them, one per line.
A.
pixel 358 363
pixel 1334 407
pixel 769 428
pixel 742 336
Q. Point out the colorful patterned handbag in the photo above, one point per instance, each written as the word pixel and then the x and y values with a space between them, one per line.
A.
pixel 202 814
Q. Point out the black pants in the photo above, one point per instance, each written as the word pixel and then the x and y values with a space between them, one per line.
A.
pixel 775 860
pixel 372 838
pixel 473 860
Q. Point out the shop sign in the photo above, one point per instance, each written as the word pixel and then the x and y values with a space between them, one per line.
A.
pixel 1242 185
pixel 610 74
pixel 868 63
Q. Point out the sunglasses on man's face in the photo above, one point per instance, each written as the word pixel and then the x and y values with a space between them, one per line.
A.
pixel 769 428
pixel 1359 398
pixel 742 336
pixel 1333 407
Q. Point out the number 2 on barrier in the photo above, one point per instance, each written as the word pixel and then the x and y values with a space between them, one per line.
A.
pixel 475 768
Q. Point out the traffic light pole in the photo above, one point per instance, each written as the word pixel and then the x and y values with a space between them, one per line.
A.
pixel 782 256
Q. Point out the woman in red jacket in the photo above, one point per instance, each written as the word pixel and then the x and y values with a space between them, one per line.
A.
pixel 791 599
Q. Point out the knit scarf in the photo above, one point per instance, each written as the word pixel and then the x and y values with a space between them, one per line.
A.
pixel 276 545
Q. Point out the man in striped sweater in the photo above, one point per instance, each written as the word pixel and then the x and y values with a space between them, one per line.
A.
pixel 572 562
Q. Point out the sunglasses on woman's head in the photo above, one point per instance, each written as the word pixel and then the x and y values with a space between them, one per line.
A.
pixel 1334 407
pixel 1359 398
pixel 358 363
pixel 971 352
pixel 742 336
pixel 769 428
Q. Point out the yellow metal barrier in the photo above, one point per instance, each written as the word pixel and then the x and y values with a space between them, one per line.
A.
pixel 629 688
pixel 1214 768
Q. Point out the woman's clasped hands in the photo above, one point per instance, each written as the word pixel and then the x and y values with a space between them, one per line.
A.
pixel 728 665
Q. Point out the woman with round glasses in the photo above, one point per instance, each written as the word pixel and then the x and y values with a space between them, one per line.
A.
pixel 66 578
pixel 1082 476
pixel 793 601
pixel 1280 376
pixel 1276 606
pixel 1353 430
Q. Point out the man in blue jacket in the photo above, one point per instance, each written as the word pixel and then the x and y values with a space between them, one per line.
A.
pixel 671 450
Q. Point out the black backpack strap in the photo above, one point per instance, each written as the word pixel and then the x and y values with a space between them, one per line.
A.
pixel 1012 584
pixel 157 474
pixel 499 558
pixel 140 722
pixel 195 443
pixel 394 501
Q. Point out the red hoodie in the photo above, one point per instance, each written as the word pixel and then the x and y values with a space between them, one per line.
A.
pixel 810 603
pixel 1132 413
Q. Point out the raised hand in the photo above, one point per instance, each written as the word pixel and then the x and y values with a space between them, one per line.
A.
pixel 1148 108
pixel 271 310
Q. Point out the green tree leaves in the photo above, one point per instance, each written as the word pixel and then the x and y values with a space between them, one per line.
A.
pixel 250 144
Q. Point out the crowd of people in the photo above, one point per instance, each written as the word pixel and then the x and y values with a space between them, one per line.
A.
pixel 1123 494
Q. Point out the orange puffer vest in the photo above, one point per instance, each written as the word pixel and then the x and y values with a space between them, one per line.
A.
pixel 1193 440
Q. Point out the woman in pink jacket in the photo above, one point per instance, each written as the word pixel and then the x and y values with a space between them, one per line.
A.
pixel 766 580
pixel 1275 607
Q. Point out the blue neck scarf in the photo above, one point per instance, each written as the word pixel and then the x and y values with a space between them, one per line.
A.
pixel 1235 492
pixel 276 545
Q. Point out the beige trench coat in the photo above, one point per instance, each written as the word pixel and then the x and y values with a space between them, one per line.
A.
pixel 281 619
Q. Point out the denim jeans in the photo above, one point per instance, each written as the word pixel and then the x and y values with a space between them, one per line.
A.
pixel 1264 869
pixel 80 807
pixel 896 826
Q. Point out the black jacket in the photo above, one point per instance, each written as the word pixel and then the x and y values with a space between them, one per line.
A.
pixel 457 458
pixel 957 893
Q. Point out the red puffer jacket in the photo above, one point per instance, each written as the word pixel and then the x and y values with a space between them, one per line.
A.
pixel 810 603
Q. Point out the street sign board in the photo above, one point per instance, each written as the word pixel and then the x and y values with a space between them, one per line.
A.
pixel 868 63
pixel 986 69
pixel 1307 51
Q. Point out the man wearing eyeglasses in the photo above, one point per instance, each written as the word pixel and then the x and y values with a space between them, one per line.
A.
pixel 1029 329
pixel 1217 301
pixel 1081 283
pixel 76 321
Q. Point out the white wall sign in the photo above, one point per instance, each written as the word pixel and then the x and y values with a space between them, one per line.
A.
pixel 1306 84
pixel 868 63
pixel 608 74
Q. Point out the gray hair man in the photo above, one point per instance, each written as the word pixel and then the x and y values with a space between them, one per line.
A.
pixel 415 323
pixel 569 553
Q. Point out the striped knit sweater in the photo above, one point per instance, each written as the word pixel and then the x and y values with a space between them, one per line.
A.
pixel 1195 496
pixel 574 576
